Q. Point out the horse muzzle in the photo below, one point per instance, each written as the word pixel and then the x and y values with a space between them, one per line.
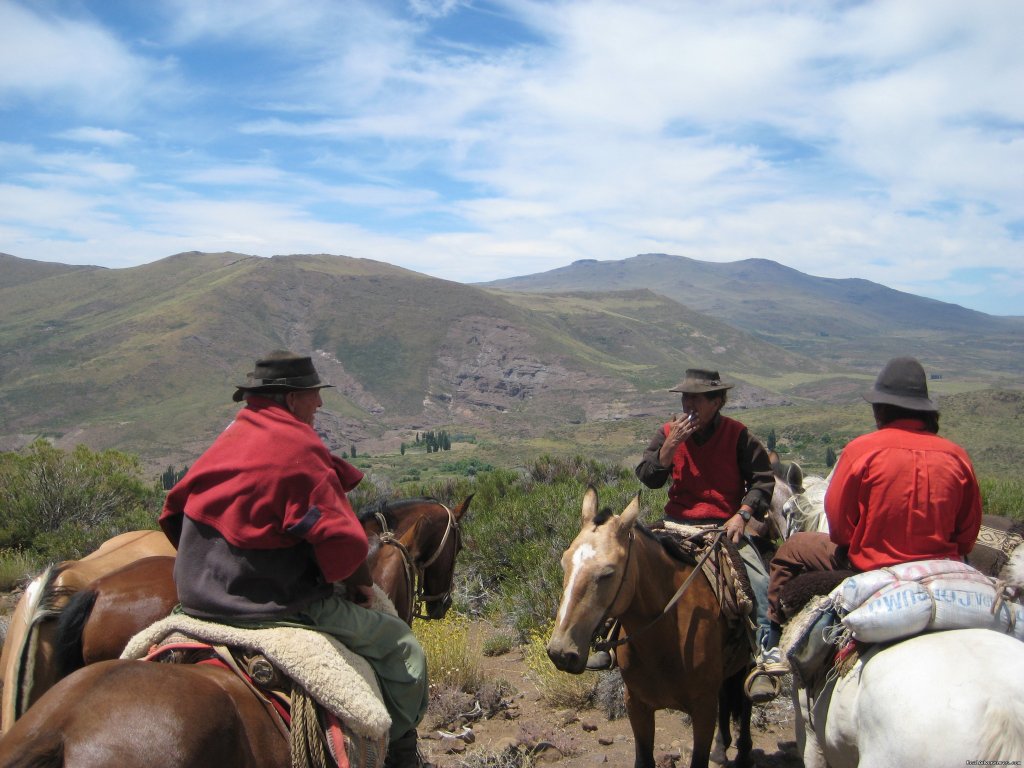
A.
pixel 566 656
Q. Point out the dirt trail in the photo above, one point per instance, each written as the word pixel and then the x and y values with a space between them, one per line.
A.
pixel 587 738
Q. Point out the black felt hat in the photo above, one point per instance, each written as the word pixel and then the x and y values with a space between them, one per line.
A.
pixel 902 382
pixel 280 371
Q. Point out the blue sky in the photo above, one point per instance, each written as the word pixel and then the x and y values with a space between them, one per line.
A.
pixel 479 139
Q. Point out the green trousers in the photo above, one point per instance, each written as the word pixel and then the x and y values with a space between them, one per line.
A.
pixel 390 647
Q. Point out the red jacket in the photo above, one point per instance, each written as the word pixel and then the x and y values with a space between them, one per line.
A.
pixel 902 494
pixel 269 482
pixel 706 479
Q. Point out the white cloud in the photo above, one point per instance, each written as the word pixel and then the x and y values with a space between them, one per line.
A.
pixel 487 139
pixel 90 135
pixel 77 61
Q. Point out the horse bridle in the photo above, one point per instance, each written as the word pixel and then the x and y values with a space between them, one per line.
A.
pixel 415 573
pixel 605 645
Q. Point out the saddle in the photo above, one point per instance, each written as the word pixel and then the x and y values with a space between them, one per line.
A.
pixel 723 568
pixel 323 697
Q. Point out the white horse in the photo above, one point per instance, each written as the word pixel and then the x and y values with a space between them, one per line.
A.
pixel 937 699
pixel 805 510
pixel 942 699
pixel 798 502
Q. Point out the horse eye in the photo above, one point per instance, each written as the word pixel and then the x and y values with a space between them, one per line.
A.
pixel 604 573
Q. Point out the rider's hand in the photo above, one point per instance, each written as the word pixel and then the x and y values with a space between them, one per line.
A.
pixel 734 528
pixel 681 427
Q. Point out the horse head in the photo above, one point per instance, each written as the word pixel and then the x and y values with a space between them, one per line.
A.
pixel 437 568
pixel 595 572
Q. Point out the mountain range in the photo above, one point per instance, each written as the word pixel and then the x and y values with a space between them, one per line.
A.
pixel 145 358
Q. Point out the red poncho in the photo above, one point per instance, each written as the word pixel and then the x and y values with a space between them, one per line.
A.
pixel 269 482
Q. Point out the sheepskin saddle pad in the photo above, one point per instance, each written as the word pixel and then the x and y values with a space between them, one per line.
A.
pixel 340 681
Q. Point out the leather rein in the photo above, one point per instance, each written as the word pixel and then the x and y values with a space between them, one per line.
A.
pixel 605 645
pixel 414 573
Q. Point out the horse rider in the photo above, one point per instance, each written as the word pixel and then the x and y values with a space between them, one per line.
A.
pixel 899 494
pixel 721 475
pixel 265 533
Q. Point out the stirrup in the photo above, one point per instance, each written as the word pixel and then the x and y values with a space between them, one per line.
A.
pixel 748 684
pixel 601 660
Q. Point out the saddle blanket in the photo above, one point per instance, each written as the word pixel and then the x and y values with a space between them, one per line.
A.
pixel 339 680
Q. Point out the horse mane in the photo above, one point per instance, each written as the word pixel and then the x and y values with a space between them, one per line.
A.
pixel 604 515
pixel 389 508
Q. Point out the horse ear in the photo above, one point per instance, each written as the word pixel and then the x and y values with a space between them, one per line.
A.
pixel 630 514
pixel 589 504
pixel 795 477
pixel 459 511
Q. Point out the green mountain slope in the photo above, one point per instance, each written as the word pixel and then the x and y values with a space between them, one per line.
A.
pixel 849 323
pixel 145 359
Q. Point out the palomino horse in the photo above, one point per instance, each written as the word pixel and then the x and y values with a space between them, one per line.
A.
pixel 616 568
pixel 28 647
pixel 97 621
pixel 950 698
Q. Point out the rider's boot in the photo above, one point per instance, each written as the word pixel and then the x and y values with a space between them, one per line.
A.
pixel 763 683
pixel 403 753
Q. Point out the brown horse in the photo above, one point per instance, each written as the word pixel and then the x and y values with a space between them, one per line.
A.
pixel 421 571
pixel 416 566
pixel 617 568
pixel 137 714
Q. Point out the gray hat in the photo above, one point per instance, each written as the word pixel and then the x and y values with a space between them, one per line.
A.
pixel 280 371
pixel 697 381
pixel 902 382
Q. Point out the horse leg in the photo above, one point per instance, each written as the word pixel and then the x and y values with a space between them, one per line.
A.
pixel 704 717
pixel 723 737
pixel 733 704
pixel 641 720
pixel 807 743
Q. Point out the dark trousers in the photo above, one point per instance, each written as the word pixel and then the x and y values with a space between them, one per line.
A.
pixel 799 553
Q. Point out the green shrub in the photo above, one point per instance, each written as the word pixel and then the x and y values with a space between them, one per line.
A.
pixel 559 689
pixel 16 567
pixel 453 652
pixel 499 644
pixel 61 505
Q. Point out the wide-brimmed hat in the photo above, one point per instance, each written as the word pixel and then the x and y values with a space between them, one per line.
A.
pixel 697 381
pixel 902 382
pixel 280 371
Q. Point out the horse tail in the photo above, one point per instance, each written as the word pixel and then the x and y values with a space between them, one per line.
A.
pixel 1002 735
pixel 68 650
pixel 22 640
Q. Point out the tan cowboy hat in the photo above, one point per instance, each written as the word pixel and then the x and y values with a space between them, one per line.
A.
pixel 902 382
pixel 280 371
pixel 698 381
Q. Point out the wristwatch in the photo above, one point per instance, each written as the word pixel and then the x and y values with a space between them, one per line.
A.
pixel 744 513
